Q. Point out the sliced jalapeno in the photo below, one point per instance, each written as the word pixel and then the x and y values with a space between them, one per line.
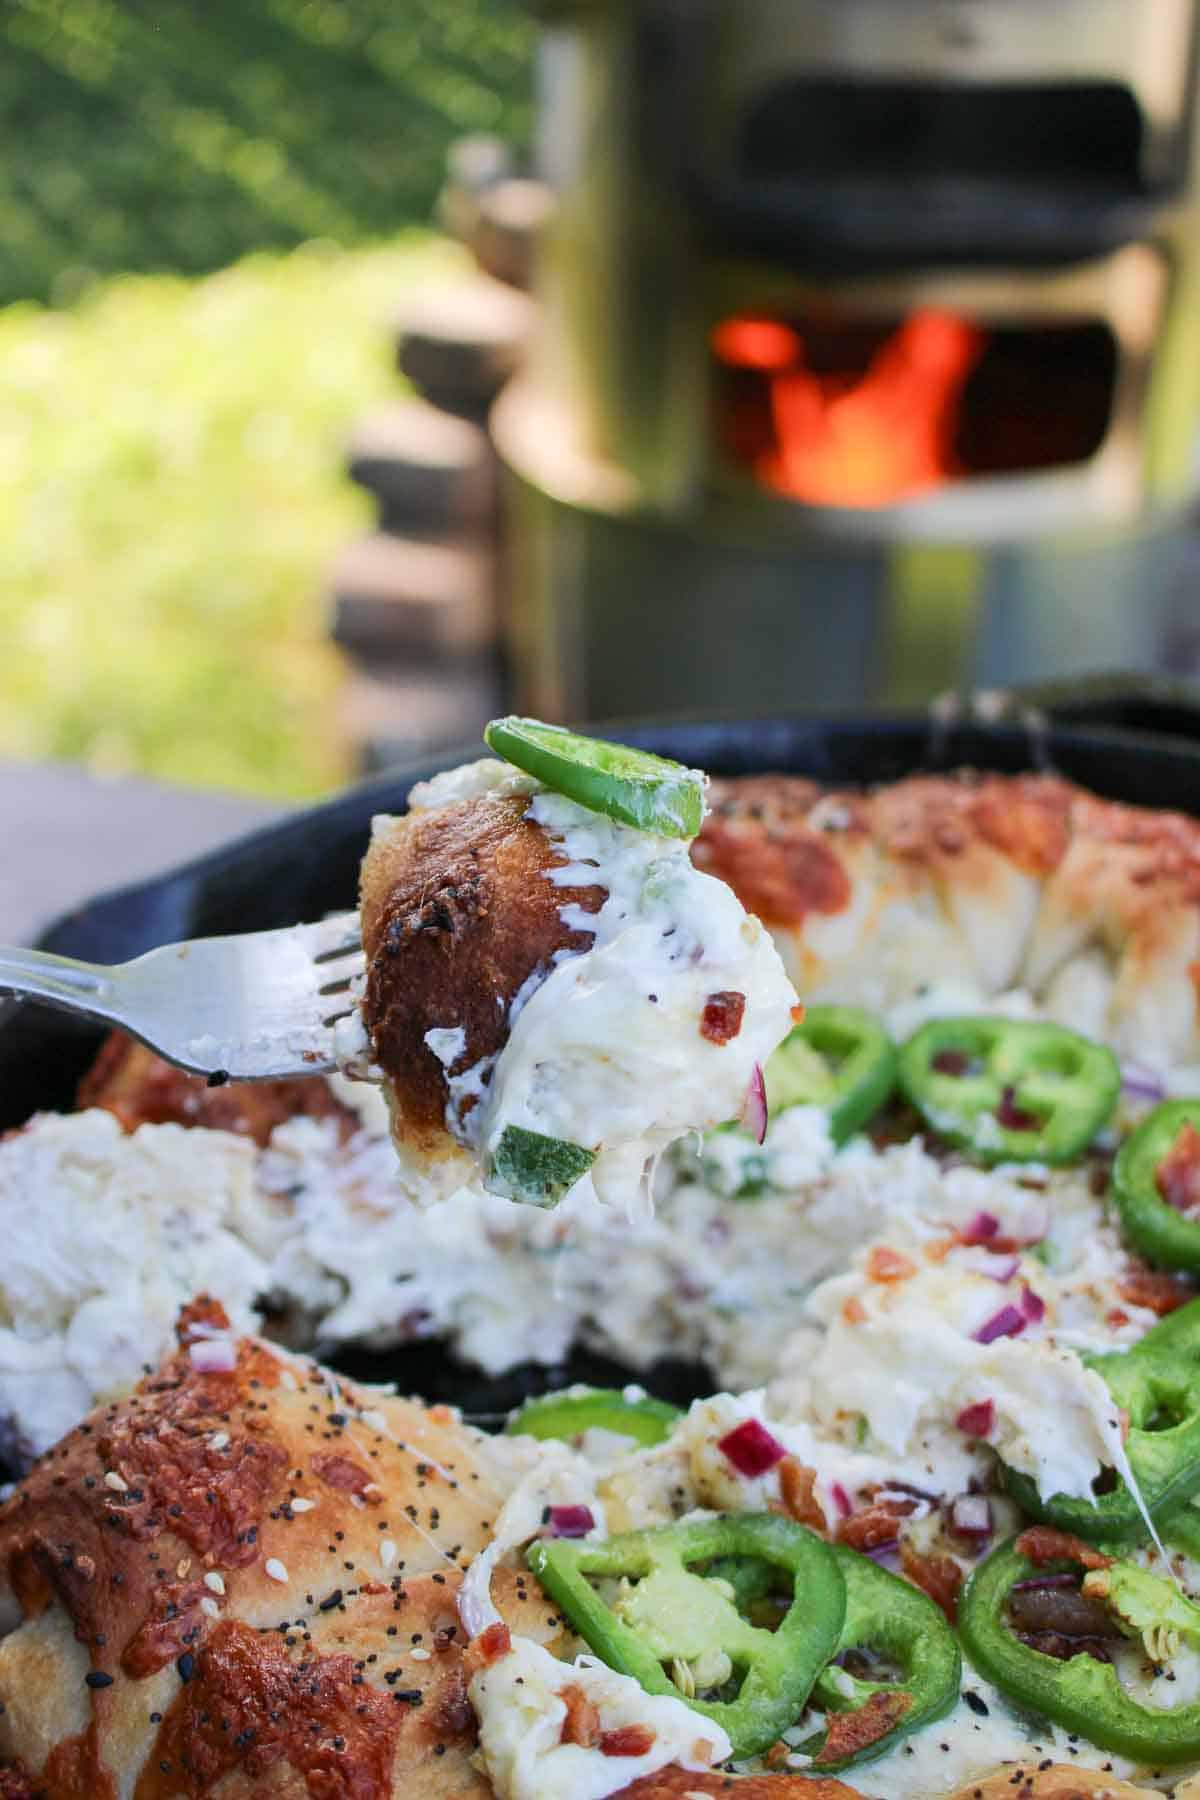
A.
pixel 651 793
pixel 1010 1090
pixel 669 1618
pixel 1156 1185
pixel 895 1621
pixel 1157 1384
pixel 1081 1693
pixel 576 1410
pixel 539 1170
pixel 838 1058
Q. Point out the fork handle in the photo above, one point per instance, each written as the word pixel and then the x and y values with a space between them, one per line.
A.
pixel 76 987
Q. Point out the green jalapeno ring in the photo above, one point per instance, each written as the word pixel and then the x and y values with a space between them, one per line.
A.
pixel 1159 1377
pixel 570 1413
pixel 1064 1083
pixel 651 793
pixel 1081 1694
pixel 839 1058
pixel 679 1616
pixel 899 1622
pixel 1162 1234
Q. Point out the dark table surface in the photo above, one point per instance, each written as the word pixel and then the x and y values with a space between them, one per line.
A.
pixel 68 835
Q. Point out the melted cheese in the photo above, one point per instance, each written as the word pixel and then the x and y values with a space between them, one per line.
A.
pixel 517 1701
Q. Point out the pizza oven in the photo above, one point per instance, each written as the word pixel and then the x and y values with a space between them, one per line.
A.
pixel 870 354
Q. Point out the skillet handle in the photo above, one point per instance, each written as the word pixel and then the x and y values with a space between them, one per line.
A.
pixel 1149 705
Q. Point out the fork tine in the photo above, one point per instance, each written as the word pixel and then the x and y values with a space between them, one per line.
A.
pixel 333 937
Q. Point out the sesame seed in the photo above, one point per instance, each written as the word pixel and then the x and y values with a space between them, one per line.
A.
pixel 375 1420
pixel 215 1582
pixel 302 1506
pixel 209 1608
pixel 387 1552
pixel 116 1482
pixel 275 1569
pixel 420 1655
pixel 218 1440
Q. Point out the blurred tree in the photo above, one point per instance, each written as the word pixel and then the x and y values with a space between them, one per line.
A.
pixel 179 134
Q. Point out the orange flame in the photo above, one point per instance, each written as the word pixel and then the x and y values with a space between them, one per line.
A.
pixel 884 437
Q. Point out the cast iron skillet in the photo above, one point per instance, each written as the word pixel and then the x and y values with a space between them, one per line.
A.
pixel 307 865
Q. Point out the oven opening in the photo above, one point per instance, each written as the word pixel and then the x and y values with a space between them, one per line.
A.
pixel 863 412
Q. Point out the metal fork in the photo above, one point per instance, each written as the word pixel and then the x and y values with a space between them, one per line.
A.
pixel 253 1008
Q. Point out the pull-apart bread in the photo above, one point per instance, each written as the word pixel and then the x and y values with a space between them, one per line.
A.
pixel 983 883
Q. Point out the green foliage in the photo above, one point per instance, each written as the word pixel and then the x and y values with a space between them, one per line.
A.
pixel 169 499
pixel 179 134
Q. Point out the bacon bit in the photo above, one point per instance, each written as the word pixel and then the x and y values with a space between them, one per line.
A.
pixel 797 1485
pixel 1116 1316
pixel 876 1525
pixel 1153 1288
pixel 977 1419
pixel 582 1723
pixel 951 1062
pixel 341 1473
pixel 939 1251
pixel 853 1311
pixel 938 1576
pixel 702 1752
pixel 889 1265
pixel 849 1732
pixel 627 1740
pixel 1177 1177
pixel 200 1318
pixel 1011 1117
pixel 778 1754
pixel 1042 1544
pixel 722 1017
pixel 493 1643
pixel 798 1012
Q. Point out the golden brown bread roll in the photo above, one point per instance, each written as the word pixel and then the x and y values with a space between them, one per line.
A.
pixel 139 1088
pixel 261 1545
pixel 457 914
pixel 985 882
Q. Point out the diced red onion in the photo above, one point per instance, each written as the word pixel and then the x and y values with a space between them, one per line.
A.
pixel 1006 1323
pixel 971 1516
pixel 841 1500
pixel 213 1356
pixel 977 1419
pixel 751 1448
pixel 1000 1268
pixel 886 1555
pixel 1033 1307
pixel 1141 1084
pixel 979 1229
pixel 570 1522
pixel 754 1107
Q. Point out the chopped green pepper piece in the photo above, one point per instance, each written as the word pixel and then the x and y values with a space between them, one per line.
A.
pixel 539 1170
pixel 1157 1383
pixel 648 792
pixel 838 1058
pixel 1079 1692
pixel 1010 1090
pixel 1159 1158
pixel 576 1410
pixel 899 1623
pixel 669 1615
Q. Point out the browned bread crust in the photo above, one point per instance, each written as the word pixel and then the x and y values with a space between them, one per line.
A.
pixel 457 913
pixel 996 880
pixel 270 1539
pixel 139 1088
